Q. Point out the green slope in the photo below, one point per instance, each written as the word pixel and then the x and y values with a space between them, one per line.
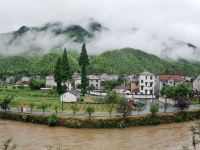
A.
pixel 123 61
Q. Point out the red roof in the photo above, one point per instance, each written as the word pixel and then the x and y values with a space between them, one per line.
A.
pixel 164 77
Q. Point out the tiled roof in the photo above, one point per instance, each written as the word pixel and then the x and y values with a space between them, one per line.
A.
pixel 147 73
pixel 93 77
pixel 49 77
pixel 165 77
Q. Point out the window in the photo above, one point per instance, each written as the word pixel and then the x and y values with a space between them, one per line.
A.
pixel 151 77
pixel 151 92
pixel 142 87
pixel 141 81
pixel 146 77
pixel 151 84
pixel 96 80
pixel 146 83
pixel 146 92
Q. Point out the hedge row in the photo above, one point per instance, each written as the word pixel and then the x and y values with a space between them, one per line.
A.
pixel 103 123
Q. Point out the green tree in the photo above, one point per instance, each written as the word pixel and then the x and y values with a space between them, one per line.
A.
pixel 43 107
pixel 31 106
pixel 113 97
pixel 4 104
pixel 84 80
pixel 84 62
pixel 154 109
pixel 57 71
pixel 109 84
pixel 124 108
pixel 74 108
pixel 36 84
pixel 90 110
pixel 181 90
pixel 56 106
pixel 110 108
pixel 139 107
pixel 65 67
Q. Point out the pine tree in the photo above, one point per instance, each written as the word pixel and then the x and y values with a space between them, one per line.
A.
pixel 84 62
pixel 65 68
pixel 57 71
pixel 84 80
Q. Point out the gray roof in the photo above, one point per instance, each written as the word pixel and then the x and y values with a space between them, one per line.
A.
pixel 74 92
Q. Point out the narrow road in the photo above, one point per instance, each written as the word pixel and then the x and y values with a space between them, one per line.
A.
pixel 69 113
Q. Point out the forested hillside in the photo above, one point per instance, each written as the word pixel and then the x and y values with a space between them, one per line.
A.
pixel 123 61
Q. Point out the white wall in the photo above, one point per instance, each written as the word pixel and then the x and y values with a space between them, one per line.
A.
pixel 95 83
pixel 196 84
pixel 68 97
pixel 149 79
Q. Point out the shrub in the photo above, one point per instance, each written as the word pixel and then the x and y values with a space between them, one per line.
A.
pixel 90 110
pixel 153 109
pixel 73 123
pixel 52 120
pixel 36 84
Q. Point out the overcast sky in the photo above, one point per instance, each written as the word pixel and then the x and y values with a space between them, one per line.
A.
pixel 179 19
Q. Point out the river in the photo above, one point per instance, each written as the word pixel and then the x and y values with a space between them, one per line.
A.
pixel 38 137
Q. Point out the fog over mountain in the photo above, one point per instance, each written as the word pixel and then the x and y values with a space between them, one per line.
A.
pixel 167 28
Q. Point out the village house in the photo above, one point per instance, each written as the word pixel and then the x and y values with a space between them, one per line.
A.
pixel 122 89
pixel 50 82
pixel 196 83
pixel 147 83
pixel 95 81
pixel 10 79
pixel 168 79
pixel 25 80
pixel 77 79
pixel 135 86
pixel 70 96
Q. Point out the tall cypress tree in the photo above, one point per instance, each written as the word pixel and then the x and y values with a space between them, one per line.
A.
pixel 84 62
pixel 57 71
pixel 84 80
pixel 65 68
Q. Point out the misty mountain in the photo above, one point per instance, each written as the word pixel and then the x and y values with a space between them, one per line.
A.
pixel 56 36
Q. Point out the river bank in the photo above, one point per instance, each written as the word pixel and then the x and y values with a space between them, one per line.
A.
pixel 33 136
pixel 103 122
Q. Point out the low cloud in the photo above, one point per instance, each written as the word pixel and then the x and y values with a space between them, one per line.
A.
pixel 160 27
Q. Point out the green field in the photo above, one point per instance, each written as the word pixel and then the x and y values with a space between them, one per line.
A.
pixel 26 96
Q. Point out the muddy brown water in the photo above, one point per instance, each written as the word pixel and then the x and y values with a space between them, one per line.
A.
pixel 38 137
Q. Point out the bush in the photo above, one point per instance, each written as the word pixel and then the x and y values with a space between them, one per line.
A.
pixel 154 109
pixel 90 110
pixel 73 123
pixel 52 120
pixel 36 84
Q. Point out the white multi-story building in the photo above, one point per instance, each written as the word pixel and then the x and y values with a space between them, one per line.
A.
pixel 196 84
pixel 94 81
pixel 147 82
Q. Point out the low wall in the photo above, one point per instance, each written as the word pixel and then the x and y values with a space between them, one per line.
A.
pixel 117 122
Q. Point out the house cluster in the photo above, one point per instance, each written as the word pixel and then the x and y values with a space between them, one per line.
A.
pixel 146 83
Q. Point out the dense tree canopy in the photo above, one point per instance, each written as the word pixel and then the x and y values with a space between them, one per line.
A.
pixel 128 61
